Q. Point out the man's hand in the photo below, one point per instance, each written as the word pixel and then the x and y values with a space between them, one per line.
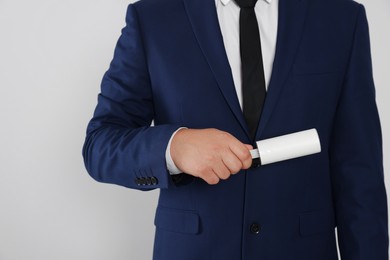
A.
pixel 209 154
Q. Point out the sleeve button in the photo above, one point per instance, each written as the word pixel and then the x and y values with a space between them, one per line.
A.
pixel 154 180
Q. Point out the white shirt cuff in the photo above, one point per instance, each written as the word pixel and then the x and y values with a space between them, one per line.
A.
pixel 173 170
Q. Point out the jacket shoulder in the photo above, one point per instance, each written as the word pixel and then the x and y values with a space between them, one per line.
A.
pixel 342 12
pixel 337 4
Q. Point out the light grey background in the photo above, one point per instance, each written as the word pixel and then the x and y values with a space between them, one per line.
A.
pixel 52 57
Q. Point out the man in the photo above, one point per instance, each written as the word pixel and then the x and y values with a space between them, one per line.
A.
pixel 201 69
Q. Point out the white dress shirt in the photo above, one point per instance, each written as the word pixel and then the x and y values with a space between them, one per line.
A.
pixel 228 16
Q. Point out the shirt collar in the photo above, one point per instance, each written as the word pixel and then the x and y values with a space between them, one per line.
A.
pixel 225 2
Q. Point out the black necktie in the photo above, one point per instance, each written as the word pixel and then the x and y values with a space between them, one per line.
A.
pixel 253 82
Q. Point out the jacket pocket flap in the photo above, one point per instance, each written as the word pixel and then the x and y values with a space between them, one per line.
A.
pixel 177 220
pixel 314 222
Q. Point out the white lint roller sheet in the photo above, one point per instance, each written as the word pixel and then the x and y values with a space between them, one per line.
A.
pixel 287 146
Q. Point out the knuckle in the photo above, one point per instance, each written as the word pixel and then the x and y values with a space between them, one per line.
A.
pixel 225 136
pixel 203 171
pixel 209 157
pixel 244 154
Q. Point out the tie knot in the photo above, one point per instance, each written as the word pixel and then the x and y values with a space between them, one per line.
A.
pixel 246 3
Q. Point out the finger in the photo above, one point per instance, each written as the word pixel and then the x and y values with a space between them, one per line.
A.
pixel 208 175
pixel 242 152
pixel 247 163
pixel 221 170
pixel 211 178
pixel 232 162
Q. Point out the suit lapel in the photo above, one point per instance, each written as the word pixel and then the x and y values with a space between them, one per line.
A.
pixel 292 15
pixel 204 21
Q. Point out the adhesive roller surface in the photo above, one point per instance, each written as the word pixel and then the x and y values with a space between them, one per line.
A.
pixel 287 147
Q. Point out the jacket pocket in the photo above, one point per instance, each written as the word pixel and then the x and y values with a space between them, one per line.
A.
pixel 311 223
pixel 175 220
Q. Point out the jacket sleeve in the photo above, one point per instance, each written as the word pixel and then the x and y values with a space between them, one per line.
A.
pixel 356 159
pixel 121 147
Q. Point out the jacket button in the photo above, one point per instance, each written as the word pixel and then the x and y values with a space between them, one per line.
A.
pixel 137 181
pixel 148 181
pixel 255 228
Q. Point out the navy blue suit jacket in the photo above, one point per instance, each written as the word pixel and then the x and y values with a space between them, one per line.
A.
pixel 170 66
